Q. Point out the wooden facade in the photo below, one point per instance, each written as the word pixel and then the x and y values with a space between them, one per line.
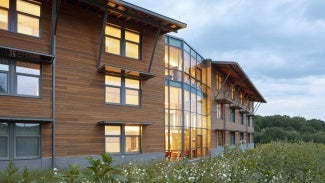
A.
pixel 71 108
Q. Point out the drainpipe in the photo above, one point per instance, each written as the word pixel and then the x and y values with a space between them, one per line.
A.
pixel 53 52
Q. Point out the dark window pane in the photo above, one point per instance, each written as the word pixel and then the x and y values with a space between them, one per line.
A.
pixel 3 83
pixel 3 146
pixel 27 129
pixel 27 146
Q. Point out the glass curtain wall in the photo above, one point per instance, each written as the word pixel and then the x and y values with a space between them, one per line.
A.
pixel 186 125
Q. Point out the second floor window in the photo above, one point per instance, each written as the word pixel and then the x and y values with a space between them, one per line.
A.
pixel 21 16
pixel 121 41
pixel 120 90
pixel 20 78
pixel 232 115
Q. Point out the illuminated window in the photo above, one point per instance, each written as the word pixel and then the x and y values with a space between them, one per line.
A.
pixel 24 15
pixel 232 89
pixel 20 78
pixel 219 81
pixel 120 90
pixel 219 111
pixel 122 139
pixel 122 41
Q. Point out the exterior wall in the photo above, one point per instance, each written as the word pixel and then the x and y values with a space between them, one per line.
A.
pixel 224 123
pixel 81 92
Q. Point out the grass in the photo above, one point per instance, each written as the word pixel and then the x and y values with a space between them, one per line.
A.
pixel 273 162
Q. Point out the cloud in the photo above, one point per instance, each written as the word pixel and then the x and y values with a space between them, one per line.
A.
pixel 302 96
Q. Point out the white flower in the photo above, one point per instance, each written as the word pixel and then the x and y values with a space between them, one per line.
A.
pixel 55 169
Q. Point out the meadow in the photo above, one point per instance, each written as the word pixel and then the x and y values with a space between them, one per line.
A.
pixel 274 162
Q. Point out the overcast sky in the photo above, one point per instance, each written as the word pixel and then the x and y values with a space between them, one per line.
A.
pixel 280 44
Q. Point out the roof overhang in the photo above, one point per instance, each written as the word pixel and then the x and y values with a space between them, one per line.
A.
pixel 107 122
pixel 132 13
pixel 125 72
pixel 239 77
pixel 19 54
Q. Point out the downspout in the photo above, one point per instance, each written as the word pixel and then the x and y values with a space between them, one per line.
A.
pixel 53 52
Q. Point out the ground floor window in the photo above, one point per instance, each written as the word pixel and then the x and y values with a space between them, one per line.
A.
pixel 232 138
pixel 19 140
pixel 122 139
pixel 221 137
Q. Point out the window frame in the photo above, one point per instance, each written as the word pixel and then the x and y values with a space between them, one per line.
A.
pixel 12 22
pixel 123 41
pixel 123 88
pixel 232 136
pixel 12 78
pixel 12 141
pixel 123 136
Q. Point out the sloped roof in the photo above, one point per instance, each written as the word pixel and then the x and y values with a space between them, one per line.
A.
pixel 237 74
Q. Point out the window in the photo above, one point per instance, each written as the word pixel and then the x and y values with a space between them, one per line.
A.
pixel 241 118
pixel 232 115
pixel 218 81
pixel 233 91
pixel 219 111
pixel 20 78
pixel 241 136
pixel 241 98
pixel 248 121
pixel 121 41
pixel 249 138
pixel 120 90
pixel 20 16
pixel 122 139
pixel 19 140
pixel 232 138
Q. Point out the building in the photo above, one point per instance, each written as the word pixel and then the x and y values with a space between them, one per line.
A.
pixel 79 78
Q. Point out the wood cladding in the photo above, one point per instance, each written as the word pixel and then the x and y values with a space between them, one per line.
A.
pixel 80 89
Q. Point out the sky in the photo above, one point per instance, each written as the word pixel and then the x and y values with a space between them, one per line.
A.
pixel 280 45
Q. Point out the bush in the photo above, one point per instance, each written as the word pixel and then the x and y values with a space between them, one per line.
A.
pixel 273 162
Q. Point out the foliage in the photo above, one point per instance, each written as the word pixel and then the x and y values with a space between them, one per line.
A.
pixel 292 129
pixel 275 162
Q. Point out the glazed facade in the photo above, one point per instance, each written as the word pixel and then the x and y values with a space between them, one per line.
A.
pixel 186 95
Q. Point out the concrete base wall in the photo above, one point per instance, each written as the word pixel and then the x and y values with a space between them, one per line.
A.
pixel 81 161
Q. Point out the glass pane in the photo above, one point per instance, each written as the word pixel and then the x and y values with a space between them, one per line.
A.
pixel 3 83
pixel 112 144
pixel 175 98
pixel 113 31
pixel 132 36
pixel 175 118
pixel 131 50
pixel 175 58
pixel 132 144
pixel 4 3
pixel 113 95
pixel 27 146
pixel 27 25
pixel 3 147
pixel 3 19
pixel 4 67
pixel 175 42
pixel 28 68
pixel 112 45
pixel 112 130
pixel 29 8
pixel 27 85
pixel 176 138
pixel 132 97
pixel 132 130
pixel 112 80
pixel 132 83
pixel 27 129
pixel 3 129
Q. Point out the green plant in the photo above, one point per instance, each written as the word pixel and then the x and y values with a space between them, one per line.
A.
pixel 101 170
pixel 10 174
